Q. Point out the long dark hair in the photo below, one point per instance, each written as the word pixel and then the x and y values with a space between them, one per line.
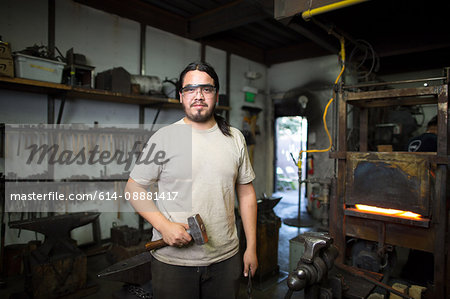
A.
pixel 224 126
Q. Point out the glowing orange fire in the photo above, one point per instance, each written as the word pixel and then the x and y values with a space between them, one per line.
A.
pixel 390 212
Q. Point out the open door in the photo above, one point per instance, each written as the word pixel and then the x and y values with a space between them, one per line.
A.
pixel 290 138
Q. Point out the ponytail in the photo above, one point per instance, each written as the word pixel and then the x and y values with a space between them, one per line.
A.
pixel 224 126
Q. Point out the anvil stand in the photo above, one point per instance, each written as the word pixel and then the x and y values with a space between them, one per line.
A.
pixel 57 251
pixel 302 219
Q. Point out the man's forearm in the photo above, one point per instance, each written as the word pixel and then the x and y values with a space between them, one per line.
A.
pixel 172 233
pixel 146 208
pixel 248 210
pixel 248 215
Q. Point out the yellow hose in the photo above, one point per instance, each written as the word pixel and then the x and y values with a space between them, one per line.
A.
pixel 308 14
pixel 324 118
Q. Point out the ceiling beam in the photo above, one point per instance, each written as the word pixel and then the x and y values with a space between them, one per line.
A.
pixel 141 12
pixel 229 16
pixel 296 52
pixel 237 47
pixel 318 39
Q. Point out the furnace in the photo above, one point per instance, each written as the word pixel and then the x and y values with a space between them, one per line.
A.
pixel 371 185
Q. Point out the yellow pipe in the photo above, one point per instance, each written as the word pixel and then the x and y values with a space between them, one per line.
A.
pixel 324 118
pixel 330 7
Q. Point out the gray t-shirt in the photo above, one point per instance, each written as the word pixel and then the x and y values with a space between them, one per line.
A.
pixel 218 164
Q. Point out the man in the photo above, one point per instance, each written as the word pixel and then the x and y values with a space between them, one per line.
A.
pixel 426 142
pixel 220 166
pixel 420 266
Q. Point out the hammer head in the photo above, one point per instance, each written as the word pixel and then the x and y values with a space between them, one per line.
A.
pixel 197 229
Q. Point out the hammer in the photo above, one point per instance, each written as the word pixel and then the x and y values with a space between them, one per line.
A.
pixel 196 230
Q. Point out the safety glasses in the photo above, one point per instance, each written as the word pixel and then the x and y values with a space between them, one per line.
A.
pixel 191 90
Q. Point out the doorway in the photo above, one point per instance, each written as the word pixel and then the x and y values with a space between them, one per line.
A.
pixel 290 137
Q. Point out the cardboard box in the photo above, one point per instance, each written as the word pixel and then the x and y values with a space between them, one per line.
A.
pixel 6 67
pixel 5 50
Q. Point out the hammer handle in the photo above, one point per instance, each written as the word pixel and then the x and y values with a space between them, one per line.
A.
pixel 155 244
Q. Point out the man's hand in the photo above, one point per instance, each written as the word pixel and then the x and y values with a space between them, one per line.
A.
pixel 250 261
pixel 175 234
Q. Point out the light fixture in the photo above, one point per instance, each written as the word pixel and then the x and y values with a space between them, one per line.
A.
pixel 303 101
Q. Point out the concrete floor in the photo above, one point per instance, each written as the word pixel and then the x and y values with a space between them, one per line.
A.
pixel 273 288
pixel 277 287
pixel 270 289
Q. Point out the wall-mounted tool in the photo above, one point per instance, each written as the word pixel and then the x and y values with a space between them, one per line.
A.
pixel 250 129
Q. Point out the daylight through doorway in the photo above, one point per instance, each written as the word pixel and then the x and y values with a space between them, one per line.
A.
pixel 291 137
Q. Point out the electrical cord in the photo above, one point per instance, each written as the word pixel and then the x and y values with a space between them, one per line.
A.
pixel 324 118
pixel 366 47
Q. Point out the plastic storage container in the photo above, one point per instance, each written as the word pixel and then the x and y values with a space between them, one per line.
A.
pixel 36 68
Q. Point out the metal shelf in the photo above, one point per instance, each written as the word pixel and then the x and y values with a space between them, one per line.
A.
pixel 27 85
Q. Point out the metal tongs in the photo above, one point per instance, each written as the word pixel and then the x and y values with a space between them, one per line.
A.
pixel 249 284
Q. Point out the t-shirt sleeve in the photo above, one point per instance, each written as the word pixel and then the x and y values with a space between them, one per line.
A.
pixel 143 172
pixel 245 173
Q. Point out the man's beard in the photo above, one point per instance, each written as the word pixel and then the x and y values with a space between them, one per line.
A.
pixel 197 116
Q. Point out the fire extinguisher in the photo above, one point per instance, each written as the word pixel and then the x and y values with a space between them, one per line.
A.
pixel 311 198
